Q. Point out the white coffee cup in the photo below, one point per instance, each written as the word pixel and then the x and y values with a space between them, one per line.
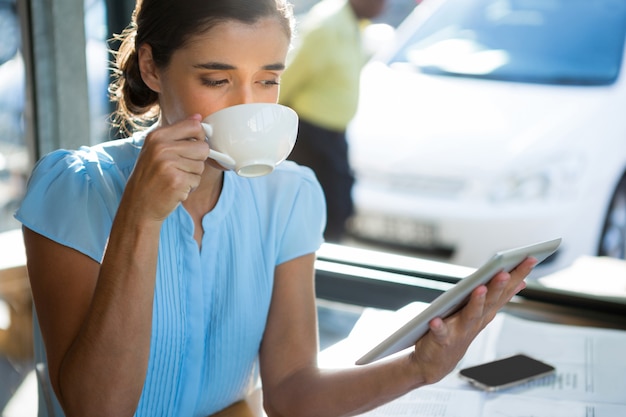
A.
pixel 252 138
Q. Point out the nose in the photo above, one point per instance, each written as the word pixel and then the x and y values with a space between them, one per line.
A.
pixel 242 95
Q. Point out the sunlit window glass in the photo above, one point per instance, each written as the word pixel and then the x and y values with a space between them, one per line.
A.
pixel 14 163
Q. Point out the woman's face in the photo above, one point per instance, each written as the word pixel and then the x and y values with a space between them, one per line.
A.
pixel 232 63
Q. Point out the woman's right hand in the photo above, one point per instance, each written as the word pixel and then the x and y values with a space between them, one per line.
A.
pixel 169 168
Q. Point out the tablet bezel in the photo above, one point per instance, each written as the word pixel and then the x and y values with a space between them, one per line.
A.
pixel 456 297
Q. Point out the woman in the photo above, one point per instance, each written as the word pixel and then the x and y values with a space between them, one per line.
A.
pixel 161 281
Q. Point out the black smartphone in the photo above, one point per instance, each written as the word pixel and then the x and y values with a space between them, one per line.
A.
pixel 507 372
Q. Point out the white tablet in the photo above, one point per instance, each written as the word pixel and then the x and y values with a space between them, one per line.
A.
pixel 457 296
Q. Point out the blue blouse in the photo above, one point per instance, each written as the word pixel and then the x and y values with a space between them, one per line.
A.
pixel 210 304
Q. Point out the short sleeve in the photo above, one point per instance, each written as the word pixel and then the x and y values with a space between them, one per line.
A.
pixel 72 199
pixel 306 220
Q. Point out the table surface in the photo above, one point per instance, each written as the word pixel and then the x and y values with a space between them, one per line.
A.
pixel 252 406
pixel 532 310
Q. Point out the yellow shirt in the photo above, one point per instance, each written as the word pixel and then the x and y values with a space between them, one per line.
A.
pixel 321 82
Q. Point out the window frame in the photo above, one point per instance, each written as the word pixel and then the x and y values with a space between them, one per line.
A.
pixel 57 116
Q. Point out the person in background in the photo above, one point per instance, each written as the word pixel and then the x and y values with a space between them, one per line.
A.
pixel 321 83
pixel 165 285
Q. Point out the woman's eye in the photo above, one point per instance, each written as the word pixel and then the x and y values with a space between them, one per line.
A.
pixel 214 83
pixel 270 83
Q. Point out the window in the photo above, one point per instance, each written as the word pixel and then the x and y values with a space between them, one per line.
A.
pixel 14 163
pixel 385 279
pixel 16 157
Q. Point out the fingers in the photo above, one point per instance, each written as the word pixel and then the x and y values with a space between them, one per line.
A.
pixel 183 148
pixel 442 347
pixel 525 268
pixel 185 139
pixel 169 167
pixel 504 286
pixel 439 329
pixel 190 150
pixel 487 300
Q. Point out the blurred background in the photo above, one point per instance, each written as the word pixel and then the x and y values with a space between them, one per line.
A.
pixel 482 125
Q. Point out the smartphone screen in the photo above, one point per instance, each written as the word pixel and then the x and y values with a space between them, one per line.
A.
pixel 507 372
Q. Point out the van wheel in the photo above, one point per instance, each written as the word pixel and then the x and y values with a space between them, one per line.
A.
pixel 613 239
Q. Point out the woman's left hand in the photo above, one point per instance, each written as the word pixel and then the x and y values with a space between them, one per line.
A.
pixel 438 352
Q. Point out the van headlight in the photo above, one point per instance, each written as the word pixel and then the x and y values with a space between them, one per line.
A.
pixel 554 179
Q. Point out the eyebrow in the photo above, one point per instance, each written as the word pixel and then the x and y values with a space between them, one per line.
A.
pixel 224 67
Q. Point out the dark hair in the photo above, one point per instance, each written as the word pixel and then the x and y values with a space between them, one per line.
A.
pixel 166 25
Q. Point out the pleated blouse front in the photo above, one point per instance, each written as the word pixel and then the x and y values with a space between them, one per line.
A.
pixel 211 302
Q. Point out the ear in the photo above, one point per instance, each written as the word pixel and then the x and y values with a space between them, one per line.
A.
pixel 148 69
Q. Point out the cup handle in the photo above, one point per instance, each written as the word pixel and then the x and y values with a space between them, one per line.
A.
pixel 225 160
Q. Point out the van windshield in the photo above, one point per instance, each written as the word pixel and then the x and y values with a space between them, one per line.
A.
pixel 575 42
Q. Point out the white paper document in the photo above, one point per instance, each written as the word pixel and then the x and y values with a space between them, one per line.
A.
pixel 590 380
